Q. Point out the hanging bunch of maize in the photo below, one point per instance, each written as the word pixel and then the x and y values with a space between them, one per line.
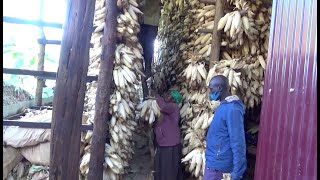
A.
pixel 196 114
pixel 248 74
pixel 175 34
pixel 184 59
pixel 184 68
pixel 197 118
pixel 149 110
pixel 126 80
pixel 189 70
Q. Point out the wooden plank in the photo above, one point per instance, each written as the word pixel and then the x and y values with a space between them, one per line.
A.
pixel 56 42
pixel 48 107
pixel 16 116
pixel 216 41
pixel 208 1
pixel 44 41
pixel 31 22
pixel 40 74
pixel 103 92
pixel 70 90
pixel 39 125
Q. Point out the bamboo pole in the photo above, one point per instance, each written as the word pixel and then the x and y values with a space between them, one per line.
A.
pixel 70 90
pixel 103 92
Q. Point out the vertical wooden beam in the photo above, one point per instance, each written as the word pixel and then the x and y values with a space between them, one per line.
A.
pixel 40 82
pixel 103 92
pixel 216 35
pixel 70 89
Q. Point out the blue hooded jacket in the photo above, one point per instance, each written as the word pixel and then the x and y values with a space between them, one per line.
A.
pixel 226 147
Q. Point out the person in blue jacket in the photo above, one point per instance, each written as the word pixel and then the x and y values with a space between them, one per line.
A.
pixel 226 147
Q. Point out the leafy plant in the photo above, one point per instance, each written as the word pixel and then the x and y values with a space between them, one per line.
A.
pixel 20 57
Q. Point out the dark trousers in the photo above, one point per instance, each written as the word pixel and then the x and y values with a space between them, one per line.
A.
pixel 212 174
pixel 147 37
pixel 167 163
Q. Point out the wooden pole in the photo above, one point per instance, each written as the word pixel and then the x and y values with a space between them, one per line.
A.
pixel 56 42
pixel 103 92
pixel 70 90
pixel 216 35
pixel 40 82
pixel 42 50
pixel 41 125
pixel 45 41
pixel 40 74
pixel 31 22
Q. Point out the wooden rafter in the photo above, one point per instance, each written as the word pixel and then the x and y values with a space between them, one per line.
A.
pixel 30 22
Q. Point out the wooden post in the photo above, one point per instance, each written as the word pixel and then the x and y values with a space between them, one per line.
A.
pixel 216 35
pixel 40 82
pixel 42 50
pixel 103 92
pixel 70 90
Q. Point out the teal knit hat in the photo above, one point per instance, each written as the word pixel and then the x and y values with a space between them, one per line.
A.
pixel 176 96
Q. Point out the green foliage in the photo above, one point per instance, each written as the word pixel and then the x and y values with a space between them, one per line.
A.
pixel 21 57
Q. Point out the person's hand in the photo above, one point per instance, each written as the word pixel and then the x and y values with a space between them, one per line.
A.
pixel 152 92
pixel 226 176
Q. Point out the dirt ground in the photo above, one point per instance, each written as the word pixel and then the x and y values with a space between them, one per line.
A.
pixel 140 164
pixel 12 95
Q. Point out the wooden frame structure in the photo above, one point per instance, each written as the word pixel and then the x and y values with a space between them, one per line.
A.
pixel 41 55
pixel 70 88
pixel 61 169
pixel 40 74
pixel 26 124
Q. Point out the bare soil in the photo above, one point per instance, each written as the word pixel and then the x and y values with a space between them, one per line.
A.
pixel 140 164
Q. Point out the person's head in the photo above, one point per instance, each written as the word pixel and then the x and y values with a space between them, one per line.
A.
pixel 173 96
pixel 219 87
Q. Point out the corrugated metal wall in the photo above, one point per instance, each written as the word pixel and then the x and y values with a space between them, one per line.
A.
pixel 287 147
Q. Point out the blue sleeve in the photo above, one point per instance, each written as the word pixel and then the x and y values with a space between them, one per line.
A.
pixel 237 142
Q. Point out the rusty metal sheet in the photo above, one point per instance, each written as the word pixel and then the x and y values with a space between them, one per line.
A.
pixel 287 147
